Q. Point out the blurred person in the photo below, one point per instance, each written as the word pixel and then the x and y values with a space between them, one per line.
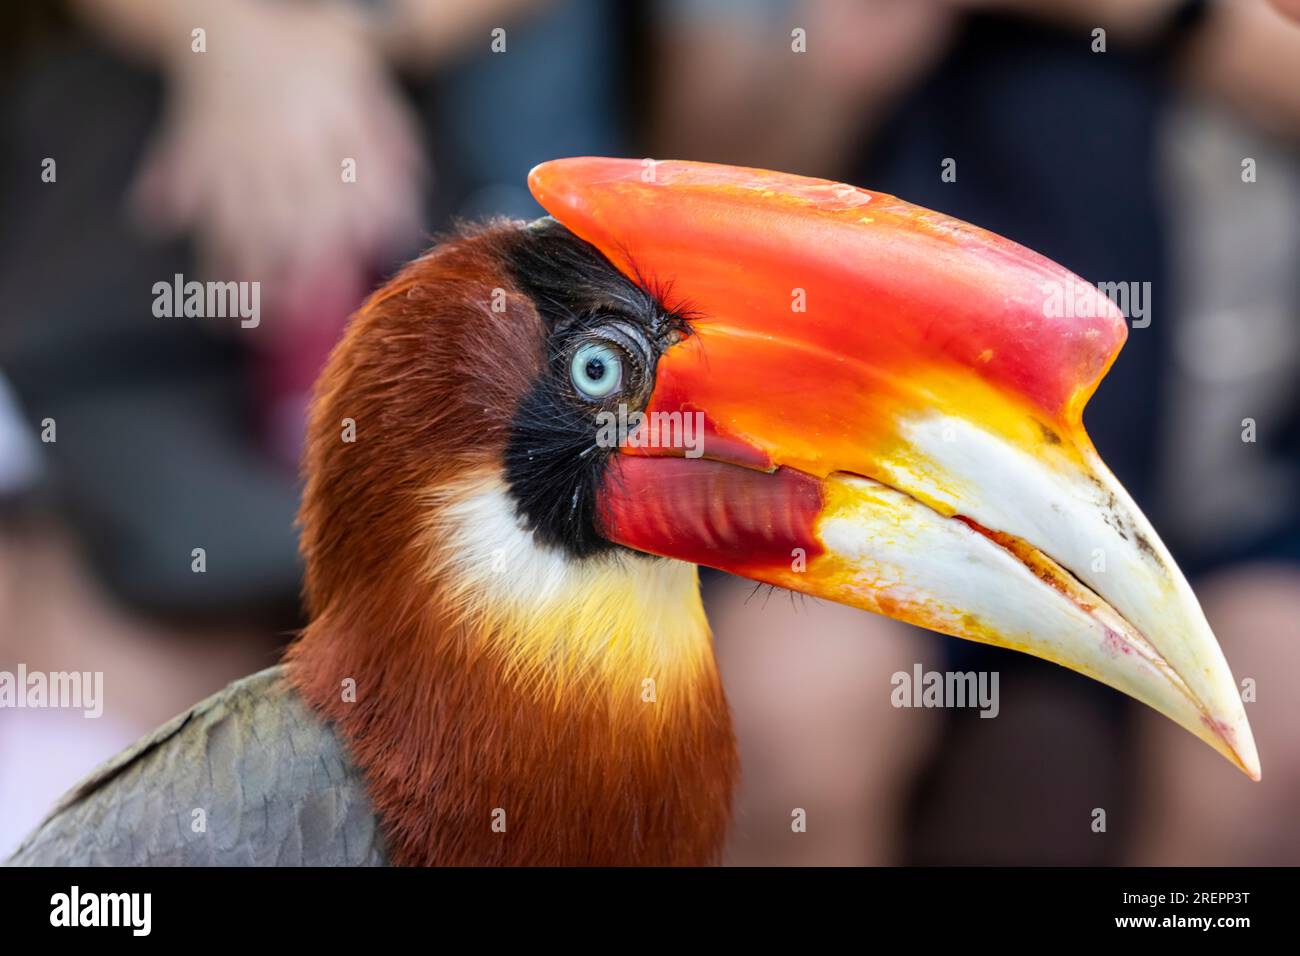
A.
pixel 180 433
pixel 1067 151
pixel 729 85
pixel 1058 148
pixel 1235 365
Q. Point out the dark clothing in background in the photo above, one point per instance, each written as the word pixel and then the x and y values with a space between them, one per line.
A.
pixel 1055 148
pixel 153 457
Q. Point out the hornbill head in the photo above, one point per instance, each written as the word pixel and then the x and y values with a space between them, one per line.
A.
pixel 797 381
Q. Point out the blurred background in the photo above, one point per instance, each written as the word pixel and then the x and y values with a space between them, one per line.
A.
pixel 1168 156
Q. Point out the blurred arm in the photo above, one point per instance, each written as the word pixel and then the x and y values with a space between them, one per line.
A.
pixel 730 88
pixel 408 33
pixel 420 34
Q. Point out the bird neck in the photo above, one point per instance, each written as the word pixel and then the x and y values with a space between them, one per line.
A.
pixel 509 705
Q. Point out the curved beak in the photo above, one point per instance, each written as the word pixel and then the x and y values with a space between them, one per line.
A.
pixel 882 406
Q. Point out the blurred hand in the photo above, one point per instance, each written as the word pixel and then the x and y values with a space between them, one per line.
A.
pixel 1249 58
pixel 1288 8
pixel 876 47
pixel 249 156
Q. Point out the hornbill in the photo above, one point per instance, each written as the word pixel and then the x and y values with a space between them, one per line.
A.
pixel 507 660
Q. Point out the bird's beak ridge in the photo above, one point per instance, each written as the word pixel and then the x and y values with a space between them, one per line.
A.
pixel 882 406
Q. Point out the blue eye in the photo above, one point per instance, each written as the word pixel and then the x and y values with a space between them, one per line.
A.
pixel 596 370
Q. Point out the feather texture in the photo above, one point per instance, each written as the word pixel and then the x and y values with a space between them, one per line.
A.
pixel 248 777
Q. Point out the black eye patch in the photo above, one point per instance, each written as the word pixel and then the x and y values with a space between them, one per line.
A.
pixel 553 463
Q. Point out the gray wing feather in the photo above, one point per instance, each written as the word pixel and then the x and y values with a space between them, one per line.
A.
pixel 274 782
